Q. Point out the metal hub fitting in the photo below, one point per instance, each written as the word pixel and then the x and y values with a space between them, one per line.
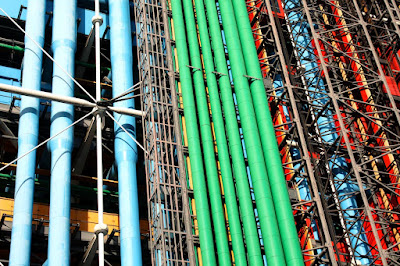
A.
pixel 97 18
pixel 101 228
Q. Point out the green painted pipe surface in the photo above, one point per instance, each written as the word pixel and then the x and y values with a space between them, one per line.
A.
pixel 277 181
pixel 258 171
pixel 12 47
pixel 196 160
pixel 219 129
pixel 45 183
pixel 79 63
pixel 207 141
pixel 232 129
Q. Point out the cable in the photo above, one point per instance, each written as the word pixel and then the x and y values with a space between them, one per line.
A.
pixel 48 55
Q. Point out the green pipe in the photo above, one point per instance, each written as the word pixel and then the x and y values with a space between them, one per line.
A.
pixel 79 63
pixel 196 160
pixel 222 145
pixel 258 171
pixel 207 141
pixel 204 119
pixel 46 184
pixel 12 47
pixel 277 181
pixel 232 129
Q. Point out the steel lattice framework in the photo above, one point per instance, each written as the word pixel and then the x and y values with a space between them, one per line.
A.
pixel 328 71
pixel 330 80
pixel 171 240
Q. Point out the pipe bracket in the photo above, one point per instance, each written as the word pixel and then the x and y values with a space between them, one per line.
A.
pixel 218 74
pixel 194 68
pixel 101 228
pixel 251 78
pixel 97 18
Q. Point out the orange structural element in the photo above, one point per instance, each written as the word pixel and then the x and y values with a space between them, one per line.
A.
pixel 343 42
pixel 394 89
pixel 86 219
pixel 257 11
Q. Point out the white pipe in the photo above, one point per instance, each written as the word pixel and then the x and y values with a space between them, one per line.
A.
pixel 97 20
pixel 67 99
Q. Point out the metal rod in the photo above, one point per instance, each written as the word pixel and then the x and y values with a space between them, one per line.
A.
pixel 28 130
pixel 97 21
pixel 67 99
pixel 48 55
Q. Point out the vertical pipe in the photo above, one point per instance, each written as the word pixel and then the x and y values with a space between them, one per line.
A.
pixel 62 115
pixel 270 148
pixel 327 128
pixel 28 136
pixel 199 184
pixel 125 147
pixel 222 145
pixel 331 94
pixel 232 129
pixel 207 140
pixel 102 228
pixel 258 171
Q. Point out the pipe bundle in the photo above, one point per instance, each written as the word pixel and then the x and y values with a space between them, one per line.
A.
pixel 267 177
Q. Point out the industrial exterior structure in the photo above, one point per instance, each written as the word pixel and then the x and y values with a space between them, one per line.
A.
pixel 233 132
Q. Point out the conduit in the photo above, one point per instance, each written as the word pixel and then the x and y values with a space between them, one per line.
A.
pixel 125 148
pixel 232 129
pixel 62 115
pixel 222 145
pixel 28 132
pixel 185 142
pixel 270 148
pixel 207 141
pixel 199 184
pixel 258 171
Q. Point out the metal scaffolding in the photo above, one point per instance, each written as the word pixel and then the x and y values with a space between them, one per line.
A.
pixel 171 240
pixel 330 63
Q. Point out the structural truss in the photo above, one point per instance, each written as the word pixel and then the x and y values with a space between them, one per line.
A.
pixel 171 240
pixel 329 65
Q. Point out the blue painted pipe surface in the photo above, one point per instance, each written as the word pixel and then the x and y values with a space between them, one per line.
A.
pixel 326 125
pixel 28 136
pixel 125 147
pixel 62 115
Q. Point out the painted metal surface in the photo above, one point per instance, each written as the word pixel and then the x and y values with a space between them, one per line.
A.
pixel 125 148
pixel 199 183
pixel 326 126
pixel 276 176
pixel 207 141
pixel 221 138
pixel 62 115
pixel 28 137
pixel 258 171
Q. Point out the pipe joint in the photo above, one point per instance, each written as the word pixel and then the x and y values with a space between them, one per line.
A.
pixel 97 19
pixel 100 110
pixel 66 43
pixel 101 228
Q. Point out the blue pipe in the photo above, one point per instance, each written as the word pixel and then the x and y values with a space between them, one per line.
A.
pixel 62 116
pixel 326 125
pixel 28 136
pixel 125 147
